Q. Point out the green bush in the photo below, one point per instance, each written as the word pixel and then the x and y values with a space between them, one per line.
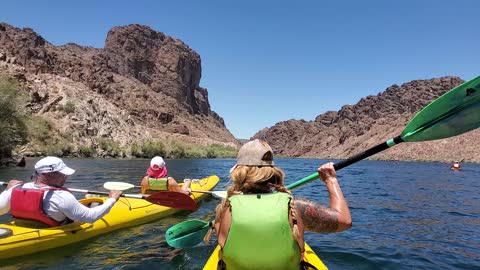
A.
pixel 38 128
pixel 195 152
pixel 136 150
pixel 68 107
pixel 52 150
pixel 13 130
pixel 111 147
pixel 153 148
pixel 86 151
pixel 220 151
pixel 59 149
pixel 176 150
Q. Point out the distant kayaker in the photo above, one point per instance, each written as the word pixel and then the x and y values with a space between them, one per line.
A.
pixel 258 228
pixel 157 180
pixel 456 166
pixel 46 202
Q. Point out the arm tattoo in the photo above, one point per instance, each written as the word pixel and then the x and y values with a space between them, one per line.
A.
pixel 316 218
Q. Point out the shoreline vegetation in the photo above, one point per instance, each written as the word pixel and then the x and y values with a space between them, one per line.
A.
pixel 170 149
pixel 25 134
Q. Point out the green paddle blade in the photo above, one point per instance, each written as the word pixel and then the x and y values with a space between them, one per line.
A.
pixel 453 113
pixel 187 234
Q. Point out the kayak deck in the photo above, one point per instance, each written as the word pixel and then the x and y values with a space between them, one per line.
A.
pixel 310 257
pixel 127 212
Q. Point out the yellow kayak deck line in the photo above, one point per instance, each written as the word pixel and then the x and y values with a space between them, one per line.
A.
pixel 127 212
pixel 309 257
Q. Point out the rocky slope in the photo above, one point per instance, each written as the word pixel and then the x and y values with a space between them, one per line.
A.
pixel 373 120
pixel 142 85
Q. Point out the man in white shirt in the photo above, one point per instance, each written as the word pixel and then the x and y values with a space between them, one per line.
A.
pixel 59 206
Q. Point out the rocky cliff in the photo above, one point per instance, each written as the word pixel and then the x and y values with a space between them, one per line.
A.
pixel 373 120
pixel 142 85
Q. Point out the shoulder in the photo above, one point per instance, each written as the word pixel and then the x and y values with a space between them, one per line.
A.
pixel 64 194
pixel 28 185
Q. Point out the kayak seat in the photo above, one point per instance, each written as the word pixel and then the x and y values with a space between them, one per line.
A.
pixel 92 204
pixel 28 223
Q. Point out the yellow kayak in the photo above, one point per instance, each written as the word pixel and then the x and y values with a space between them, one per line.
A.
pixel 309 257
pixel 127 212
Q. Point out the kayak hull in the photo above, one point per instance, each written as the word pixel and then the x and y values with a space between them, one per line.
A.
pixel 309 257
pixel 127 212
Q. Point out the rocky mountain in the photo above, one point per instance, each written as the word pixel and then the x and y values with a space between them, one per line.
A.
pixel 373 120
pixel 142 85
pixel 145 85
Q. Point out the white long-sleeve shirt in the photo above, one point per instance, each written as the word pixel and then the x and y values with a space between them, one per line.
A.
pixel 60 204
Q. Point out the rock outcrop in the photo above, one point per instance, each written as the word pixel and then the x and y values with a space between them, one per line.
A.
pixel 142 85
pixel 373 120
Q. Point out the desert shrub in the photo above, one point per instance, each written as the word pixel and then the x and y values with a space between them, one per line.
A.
pixel 86 151
pixel 220 151
pixel 38 128
pixel 195 152
pixel 136 150
pixel 59 149
pixel 68 107
pixel 13 130
pixel 111 147
pixel 153 148
pixel 176 150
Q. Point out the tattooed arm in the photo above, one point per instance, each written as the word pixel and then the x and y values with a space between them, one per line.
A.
pixel 320 219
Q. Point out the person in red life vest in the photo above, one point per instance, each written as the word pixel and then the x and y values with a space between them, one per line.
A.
pixel 456 166
pixel 157 179
pixel 45 202
pixel 260 212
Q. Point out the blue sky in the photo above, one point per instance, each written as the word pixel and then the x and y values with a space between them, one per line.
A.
pixel 269 61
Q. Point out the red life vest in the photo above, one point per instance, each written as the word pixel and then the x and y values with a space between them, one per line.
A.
pixel 28 204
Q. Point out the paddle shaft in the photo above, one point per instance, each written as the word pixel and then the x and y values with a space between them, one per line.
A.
pixel 124 186
pixel 344 163
pixel 136 196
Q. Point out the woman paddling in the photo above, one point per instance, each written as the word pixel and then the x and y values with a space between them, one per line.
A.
pixel 157 180
pixel 259 225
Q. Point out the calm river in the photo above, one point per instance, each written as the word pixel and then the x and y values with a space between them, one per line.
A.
pixel 406 215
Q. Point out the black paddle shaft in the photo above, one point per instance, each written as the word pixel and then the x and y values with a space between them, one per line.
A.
pixel 370 152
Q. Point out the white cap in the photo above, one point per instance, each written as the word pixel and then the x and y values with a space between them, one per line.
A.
pixel 52 164
pixel 157 163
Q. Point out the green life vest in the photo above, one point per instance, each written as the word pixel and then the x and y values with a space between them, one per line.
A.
pixel 157 183
pixel 260 236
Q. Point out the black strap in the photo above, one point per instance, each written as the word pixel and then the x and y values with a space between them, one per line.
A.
pixel 307 266
pixel 221 265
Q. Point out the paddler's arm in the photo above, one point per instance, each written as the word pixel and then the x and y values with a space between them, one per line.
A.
pixel 76 211
pixel 320 219
pixel 221 230
pixel 6 195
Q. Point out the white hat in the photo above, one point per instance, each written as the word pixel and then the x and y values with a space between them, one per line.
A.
pixel 52 164
pixel 254 153
pixel 157 163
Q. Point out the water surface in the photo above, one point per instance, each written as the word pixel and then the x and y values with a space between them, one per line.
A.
pixel 406 215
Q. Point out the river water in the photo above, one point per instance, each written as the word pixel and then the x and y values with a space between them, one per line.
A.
pixel 406 215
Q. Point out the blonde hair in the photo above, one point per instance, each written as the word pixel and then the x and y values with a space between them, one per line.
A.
pixel 255 179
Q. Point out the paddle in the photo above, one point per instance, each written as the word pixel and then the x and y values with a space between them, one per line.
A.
pixel 453 113
pixel 169 199
pixel 184 234
pixel 125 186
